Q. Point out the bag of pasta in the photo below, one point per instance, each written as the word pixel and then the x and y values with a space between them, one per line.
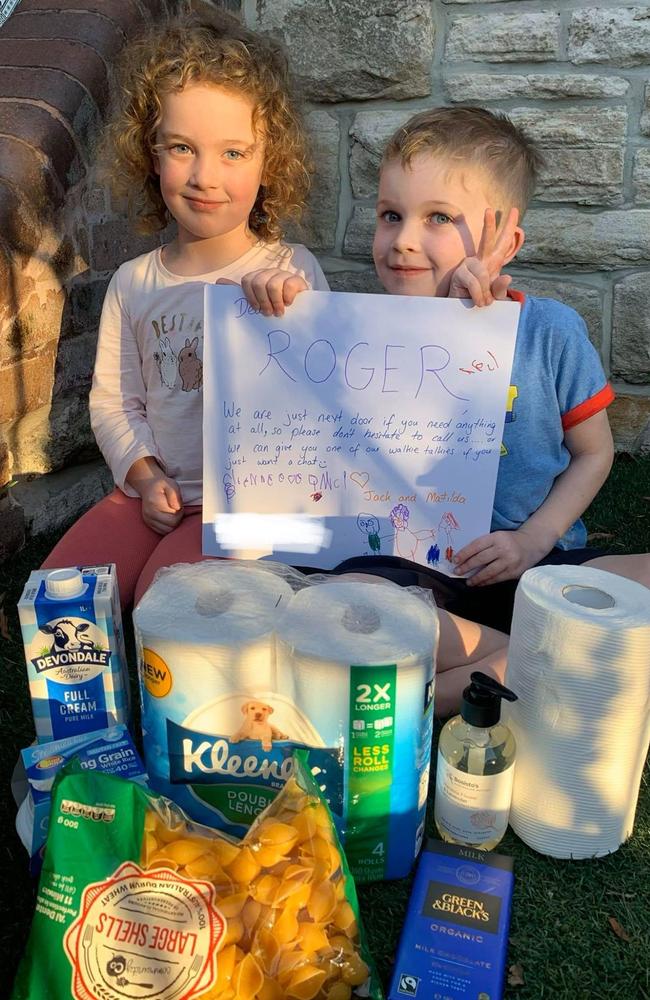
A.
pixel 136 901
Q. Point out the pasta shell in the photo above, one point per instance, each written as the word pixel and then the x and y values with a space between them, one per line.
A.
pixel 285 928
pixel 306 982
pixel 250 913
pixel 231 906
pixel 266 948
pixel 354 970
pixel 226 960
pixel 245 867
pixel 168 834
pixel 305 825
pixel 185 851
pixel 313 938
pixel 342 944
pixel 150 821
pixel 161 859
pixel 248 978
pixel 207 866
pixel 286 963
pixel 291 892
pixel 274 834
pixel 265 888
pixel 270 990
pixel 225 851
pixel 339 991
pixel 345 919
pixel 269 856
pixel 322 902
pixel 300 897
pixel 234 931
pixel 298 873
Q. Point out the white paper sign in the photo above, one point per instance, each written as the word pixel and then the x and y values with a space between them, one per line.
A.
pixel 355 425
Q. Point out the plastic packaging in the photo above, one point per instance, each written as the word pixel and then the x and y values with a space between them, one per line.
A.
pixel 109 750
pixel 134 901
pixel 241 663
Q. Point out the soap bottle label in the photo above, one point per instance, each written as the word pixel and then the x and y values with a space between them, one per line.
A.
pixel 472 808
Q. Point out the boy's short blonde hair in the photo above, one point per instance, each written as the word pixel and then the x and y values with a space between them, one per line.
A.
pixel 476 137
pixel 205 46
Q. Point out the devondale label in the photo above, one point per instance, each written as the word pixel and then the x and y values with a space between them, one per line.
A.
pixel 94 657
pixel 464 906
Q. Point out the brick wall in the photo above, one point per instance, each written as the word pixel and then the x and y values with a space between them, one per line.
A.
pixel 574 74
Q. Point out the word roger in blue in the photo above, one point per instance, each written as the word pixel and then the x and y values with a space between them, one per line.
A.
pixel 320 362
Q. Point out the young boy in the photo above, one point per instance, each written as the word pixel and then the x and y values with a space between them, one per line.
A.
pixel 446 177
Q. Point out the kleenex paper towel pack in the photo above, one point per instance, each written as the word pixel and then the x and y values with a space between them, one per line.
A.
pixel 236 671
pixel 360 658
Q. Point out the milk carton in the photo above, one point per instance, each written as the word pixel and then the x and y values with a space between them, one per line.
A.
pixel 74 648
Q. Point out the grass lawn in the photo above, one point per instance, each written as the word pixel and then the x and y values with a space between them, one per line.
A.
pixel 561 941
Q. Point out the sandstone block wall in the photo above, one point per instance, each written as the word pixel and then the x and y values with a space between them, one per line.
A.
pixel 574 74
pixel 60 240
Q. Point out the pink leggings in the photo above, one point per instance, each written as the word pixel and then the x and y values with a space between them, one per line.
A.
pixel 113 531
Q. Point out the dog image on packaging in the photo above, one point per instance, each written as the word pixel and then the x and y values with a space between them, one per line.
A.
pixel 240 664
pixel 256 725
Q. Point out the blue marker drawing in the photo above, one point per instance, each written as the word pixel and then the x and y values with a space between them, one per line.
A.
pixel 433 555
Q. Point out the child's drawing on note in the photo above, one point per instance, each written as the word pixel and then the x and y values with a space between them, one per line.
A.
pixel 407 541
pixel 433 555
pixel 449 524
pixel 369 525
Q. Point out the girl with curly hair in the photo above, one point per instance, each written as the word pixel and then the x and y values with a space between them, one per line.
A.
pixel 204 132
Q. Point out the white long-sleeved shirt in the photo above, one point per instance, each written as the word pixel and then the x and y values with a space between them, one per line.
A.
pixel 147 392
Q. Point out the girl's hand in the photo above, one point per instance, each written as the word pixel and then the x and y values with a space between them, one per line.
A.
pixel 162 506
pixel 499 556
pixel 272 289
pixel 479 278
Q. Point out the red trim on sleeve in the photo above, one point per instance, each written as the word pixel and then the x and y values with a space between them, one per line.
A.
pixel 516 296
pixel 587 409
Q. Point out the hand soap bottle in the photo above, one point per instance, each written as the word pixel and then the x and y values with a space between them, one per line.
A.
pixel 476 762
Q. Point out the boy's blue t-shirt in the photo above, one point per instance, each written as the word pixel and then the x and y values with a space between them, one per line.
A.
pixel 557 382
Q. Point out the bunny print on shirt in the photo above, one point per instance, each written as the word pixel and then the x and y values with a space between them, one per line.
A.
pixel 173 357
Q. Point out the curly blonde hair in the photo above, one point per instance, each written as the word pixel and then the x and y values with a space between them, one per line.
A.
pixel 205 46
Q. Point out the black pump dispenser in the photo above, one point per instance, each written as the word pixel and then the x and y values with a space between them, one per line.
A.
pixel 482 700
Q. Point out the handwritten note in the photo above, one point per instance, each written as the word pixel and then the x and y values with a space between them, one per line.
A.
pixel 354 425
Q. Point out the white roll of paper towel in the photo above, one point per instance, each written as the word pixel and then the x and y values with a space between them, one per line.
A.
pixel 206 650
pixel 361 656
pixel 579 661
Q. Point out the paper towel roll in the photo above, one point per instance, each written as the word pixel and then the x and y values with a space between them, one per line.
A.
pixel 373 623
pixel 361 659
pixel 215 601
pixel 578 661
pixel 205 642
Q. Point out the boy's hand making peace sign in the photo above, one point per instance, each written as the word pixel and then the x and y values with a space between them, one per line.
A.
pixel 479 278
